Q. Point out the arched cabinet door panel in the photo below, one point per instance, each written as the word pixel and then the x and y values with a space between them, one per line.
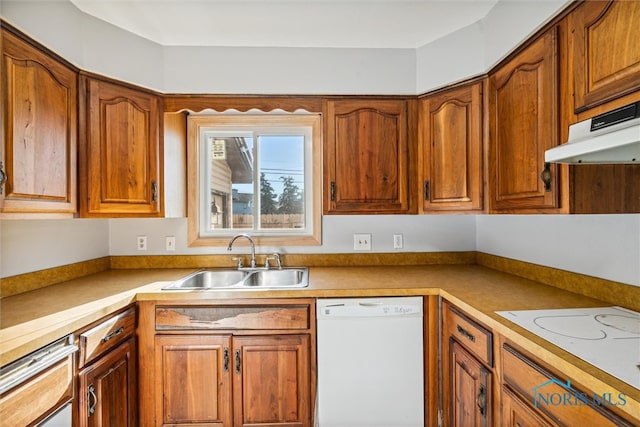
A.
pixel 38 153
pixel 605 50
pixel 120 155
pixel 523 124
pixel 366 157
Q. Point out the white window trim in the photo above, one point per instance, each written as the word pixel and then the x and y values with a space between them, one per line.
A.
pixel 266 123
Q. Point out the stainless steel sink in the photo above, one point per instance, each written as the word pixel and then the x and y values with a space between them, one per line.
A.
pixel 289 277
pixel 283 278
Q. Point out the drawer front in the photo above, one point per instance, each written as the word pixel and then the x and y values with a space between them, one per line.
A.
pixel 471 335
pixel 106 335
pixel 554 396
pixel 38 396
pixel 233 317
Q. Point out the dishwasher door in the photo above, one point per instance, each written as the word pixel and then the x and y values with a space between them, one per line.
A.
pixel 370 362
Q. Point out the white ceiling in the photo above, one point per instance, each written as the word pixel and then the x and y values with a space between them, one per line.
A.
pixel 290 23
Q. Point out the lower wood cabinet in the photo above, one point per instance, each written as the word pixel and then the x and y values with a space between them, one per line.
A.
pixel 227 364
pixel 272 379
pixel 107 389
pixel 194 374
pixel 533 395
pixel 466 370
pixel 470 385
pixel 107 376
pixel 516 413
pixel 221 380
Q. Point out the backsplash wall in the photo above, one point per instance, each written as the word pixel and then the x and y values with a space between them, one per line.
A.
pixel 605 246
pixel 32 245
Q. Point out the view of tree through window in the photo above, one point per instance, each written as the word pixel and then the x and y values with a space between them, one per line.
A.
pixel 235 162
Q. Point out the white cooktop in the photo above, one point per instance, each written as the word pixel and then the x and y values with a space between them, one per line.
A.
pixel 606 337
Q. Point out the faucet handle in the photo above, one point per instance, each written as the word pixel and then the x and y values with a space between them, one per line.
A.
pixel 276 258
pixel 238 261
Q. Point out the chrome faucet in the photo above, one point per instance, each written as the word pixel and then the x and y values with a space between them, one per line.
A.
pixel 253 247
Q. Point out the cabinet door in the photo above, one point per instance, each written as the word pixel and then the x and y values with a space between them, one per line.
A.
pixel 523 112
pixel 450 143
pixel 120 164
pixel 107 394
pixel 470 388
pixel 366 152
pixel 515 413
pixel 38 149
pixel 272 380
pixel 605 50
pixel 193 383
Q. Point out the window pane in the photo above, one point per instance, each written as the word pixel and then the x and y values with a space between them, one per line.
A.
pixel 242 178
pixel 254 174
pixel 281 167
pixel 231 182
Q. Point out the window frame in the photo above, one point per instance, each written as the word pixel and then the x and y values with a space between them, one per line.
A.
pixel 198 124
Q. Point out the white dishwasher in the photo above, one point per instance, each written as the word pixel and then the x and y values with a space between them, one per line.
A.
pixel 370 362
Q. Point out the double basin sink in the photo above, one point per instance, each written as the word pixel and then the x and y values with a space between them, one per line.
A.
pixel 246 278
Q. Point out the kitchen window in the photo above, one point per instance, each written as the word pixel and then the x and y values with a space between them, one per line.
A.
pixel 256 174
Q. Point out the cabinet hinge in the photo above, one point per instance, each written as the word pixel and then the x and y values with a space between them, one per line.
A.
pixel 333 191
pixel 427 190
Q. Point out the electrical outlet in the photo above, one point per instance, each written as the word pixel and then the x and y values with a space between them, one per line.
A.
pixel 170 243
pixel 398 241
pixel 142 243
pixel 362 242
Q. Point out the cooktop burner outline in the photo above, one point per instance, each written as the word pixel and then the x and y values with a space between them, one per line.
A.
pixel 606 337
pixel 622 327
pixel 538 320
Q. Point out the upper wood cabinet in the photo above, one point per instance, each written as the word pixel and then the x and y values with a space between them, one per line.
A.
pixel 39 141
pixel 450 149
pixel 366 156
pixel 523 123
pixel 605 51
pixel 120 151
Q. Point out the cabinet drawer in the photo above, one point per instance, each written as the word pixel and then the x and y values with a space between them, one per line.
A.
pixel 104 336
pixel 233 317
pixel 471 335
pixel 554 396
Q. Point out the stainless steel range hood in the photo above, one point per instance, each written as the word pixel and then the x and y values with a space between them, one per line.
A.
pixel 612 137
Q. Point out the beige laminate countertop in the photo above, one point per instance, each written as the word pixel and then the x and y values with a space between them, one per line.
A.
pixel 33 319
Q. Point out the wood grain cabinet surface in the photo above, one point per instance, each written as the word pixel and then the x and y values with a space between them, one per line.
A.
pixel 244 364
pixel 108 374
pixel 366 156
pixel 533 391
pixel 467 370
pixel 120 151
pixel 605 51
pixel 107 389
pixel 523 123
pixel 39 140
pixel 450 149
pixel 516 413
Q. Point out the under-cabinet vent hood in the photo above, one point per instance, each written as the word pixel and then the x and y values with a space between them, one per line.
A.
pixel 612 137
